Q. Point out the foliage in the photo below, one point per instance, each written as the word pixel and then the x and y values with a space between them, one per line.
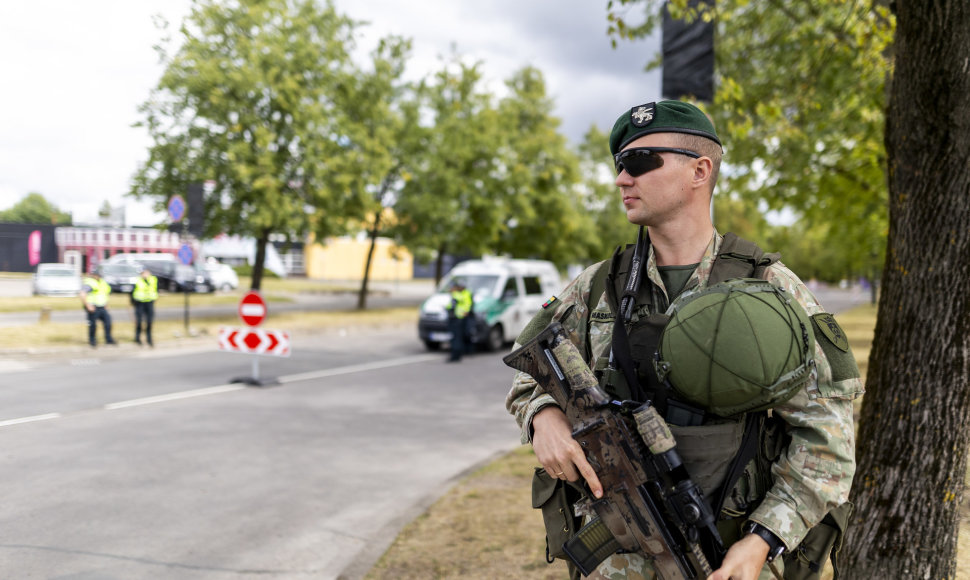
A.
pixel 35 209
pixel 600 197
pixel 447 204
pixel 799 104
pixel 255 99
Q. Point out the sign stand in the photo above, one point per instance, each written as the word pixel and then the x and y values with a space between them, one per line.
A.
pixel 252 311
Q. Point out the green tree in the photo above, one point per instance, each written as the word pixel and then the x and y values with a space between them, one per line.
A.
pixel 255 99
pixel 538 179
pixel 600 197
pixel 448 204
pixel 799 105
pixel 35 209
pixel 380 137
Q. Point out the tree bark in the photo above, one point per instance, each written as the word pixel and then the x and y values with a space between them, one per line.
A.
pixel 914 428
pixel 362 294
pixel 260 261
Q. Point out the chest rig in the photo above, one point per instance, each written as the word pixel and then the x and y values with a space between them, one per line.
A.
pixel 637 309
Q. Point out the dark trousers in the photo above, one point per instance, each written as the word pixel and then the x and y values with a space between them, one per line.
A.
pixel 144 311
pixel 459 332
pixel 99 313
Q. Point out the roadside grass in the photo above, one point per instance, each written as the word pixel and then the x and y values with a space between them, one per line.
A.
pixel 485 527
pixel 273 290
pixel 171 332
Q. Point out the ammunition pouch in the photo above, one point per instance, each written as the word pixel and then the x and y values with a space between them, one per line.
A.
pixel 806 561
pixel 556 498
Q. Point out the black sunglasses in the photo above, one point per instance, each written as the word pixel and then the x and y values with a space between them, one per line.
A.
pixel 640 160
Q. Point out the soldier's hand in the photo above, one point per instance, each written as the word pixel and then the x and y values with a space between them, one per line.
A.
pixel 743 560
pixel 558 452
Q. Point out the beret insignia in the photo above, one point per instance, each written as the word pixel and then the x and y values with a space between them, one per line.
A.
pixel 643 115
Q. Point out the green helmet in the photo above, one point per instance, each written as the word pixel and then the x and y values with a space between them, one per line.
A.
pixel 737 346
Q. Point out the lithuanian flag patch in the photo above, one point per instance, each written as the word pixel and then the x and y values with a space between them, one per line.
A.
pixel 550 302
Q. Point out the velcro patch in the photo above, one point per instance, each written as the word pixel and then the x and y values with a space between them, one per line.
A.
pixel 831 330
pixel 550 302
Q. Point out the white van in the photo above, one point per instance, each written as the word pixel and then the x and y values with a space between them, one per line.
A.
pixel 507 294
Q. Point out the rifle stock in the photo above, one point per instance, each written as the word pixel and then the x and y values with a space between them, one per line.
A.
pixel 649 503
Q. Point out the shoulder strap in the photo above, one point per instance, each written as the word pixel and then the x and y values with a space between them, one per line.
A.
pixel 740 258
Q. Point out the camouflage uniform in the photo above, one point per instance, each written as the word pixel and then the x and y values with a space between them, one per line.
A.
pixel 811 477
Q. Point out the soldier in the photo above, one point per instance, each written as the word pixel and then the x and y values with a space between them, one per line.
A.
pixel 667 156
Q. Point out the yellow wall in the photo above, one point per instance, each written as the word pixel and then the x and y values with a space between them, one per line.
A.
pixel 344 258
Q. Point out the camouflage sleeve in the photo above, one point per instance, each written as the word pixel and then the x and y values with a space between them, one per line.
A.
pixel 814 474
pixel 526 397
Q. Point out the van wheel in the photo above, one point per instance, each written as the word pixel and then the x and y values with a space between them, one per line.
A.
pixel 432 345
pixel 495 339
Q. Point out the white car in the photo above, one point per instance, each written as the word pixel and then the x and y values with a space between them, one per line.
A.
pixel 223 276
pixel 56 280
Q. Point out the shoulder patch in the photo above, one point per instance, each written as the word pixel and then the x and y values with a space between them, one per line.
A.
pixel 550 302
pixel 831 330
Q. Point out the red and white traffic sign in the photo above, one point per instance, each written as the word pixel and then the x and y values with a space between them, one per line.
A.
pixel 252 309
pixel 254 341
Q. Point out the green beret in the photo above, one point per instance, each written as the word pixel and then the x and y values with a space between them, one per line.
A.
pixel 662 117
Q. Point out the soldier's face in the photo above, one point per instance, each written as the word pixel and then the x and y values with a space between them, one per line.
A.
pixel 657 196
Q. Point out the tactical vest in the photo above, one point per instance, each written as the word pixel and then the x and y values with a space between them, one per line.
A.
pixel 721 454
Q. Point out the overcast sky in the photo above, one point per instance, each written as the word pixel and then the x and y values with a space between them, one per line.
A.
pixel 73 74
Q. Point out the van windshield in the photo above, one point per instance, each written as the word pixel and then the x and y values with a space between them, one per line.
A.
pixel 480 284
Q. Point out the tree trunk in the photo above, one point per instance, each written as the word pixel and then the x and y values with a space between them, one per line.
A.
pixel 362 295
pixel 260 261
pixel 439 265
pixel 913 436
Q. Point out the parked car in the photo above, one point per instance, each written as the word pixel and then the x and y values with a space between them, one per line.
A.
pixel 223 276
pixel 121 277
pixel 56 280
pixel 181 278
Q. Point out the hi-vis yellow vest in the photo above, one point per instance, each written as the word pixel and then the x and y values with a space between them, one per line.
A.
pixel 146 290
pixel 100 290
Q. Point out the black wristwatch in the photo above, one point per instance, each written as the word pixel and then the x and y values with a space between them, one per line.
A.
pixel 775 545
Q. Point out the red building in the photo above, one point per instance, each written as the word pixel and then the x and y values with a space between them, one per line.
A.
pixel 88 247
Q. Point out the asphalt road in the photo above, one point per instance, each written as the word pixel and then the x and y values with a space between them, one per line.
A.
pixel 137 464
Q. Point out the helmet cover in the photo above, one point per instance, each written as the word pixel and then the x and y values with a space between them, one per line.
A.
pixel 737 346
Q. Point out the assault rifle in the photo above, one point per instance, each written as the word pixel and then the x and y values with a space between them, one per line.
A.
pixel 649 504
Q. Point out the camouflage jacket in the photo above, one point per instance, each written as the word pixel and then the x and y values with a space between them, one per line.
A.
pixel 815 473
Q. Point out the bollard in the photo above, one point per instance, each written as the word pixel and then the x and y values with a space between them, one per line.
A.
pixel 45 314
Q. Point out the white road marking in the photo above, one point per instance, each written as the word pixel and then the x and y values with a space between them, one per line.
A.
pixel 235 387
pixel 173 397
pixel 394 362
pixel 21 420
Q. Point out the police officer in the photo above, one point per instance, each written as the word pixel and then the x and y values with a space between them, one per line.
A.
pixel 667 157
pixel 94 296
pixel 459 310
pixel 143 299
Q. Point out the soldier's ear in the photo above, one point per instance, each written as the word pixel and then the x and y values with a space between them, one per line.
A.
pixel 703 171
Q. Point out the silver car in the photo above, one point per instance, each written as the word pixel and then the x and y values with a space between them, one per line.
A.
pixel 121 277
pixel 56 280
